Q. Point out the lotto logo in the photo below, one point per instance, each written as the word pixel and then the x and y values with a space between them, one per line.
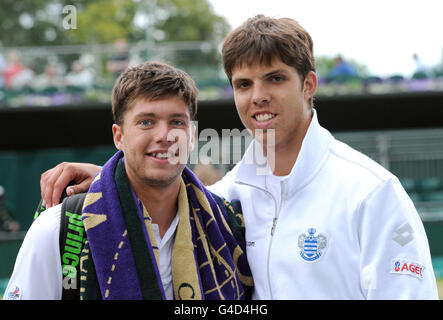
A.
pixel 401 266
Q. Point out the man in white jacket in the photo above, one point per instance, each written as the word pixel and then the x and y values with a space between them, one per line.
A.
pixel 324 221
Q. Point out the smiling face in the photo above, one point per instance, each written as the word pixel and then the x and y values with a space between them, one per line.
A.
pixel 156 137
pixel 274 97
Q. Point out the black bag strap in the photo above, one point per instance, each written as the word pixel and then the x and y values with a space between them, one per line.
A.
pixel 72 240
pixel 41 207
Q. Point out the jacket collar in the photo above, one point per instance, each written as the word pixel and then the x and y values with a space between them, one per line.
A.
pixel 253 167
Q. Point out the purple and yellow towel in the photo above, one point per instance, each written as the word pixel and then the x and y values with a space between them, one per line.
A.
pixel 120 258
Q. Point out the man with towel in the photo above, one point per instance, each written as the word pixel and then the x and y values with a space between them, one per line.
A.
pixel 323 221
pixel 152 229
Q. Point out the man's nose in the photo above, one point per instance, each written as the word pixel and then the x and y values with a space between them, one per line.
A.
pixel 161 133
pixel 261 94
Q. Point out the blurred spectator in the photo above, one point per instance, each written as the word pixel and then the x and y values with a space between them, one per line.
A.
pixel 2 68
pixel 80 76
pixel 120 60
pixel 6 222
pixel 420 70
pixel 207 173
pixel 341 69
pixel 16 75
pixel 49 79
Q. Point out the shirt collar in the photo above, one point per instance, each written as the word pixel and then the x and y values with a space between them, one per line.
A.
pixel 141 208
pixel 312 155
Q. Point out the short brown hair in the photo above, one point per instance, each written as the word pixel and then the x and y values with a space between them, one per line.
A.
pixel 152 81
pixel 262 39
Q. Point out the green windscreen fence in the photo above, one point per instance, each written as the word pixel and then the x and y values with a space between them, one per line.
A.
pixel 415 156
pixel 20 173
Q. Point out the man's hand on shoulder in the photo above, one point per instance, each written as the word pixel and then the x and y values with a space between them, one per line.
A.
pixel 75 177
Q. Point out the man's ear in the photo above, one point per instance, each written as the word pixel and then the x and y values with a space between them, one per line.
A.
pixel 310 85
pixel 117 133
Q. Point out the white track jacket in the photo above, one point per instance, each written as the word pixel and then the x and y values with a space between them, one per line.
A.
pixel 339 226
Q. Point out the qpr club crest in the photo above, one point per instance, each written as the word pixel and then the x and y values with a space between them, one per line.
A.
pixel 312 245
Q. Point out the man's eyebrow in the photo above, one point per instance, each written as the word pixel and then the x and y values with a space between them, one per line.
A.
pixel 177 115
pixel 154 115
pixel 266 75
pixel 274 72
pixel 144 114
pixel 239 79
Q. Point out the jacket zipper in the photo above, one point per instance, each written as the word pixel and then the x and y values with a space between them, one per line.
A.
pixel 274 224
